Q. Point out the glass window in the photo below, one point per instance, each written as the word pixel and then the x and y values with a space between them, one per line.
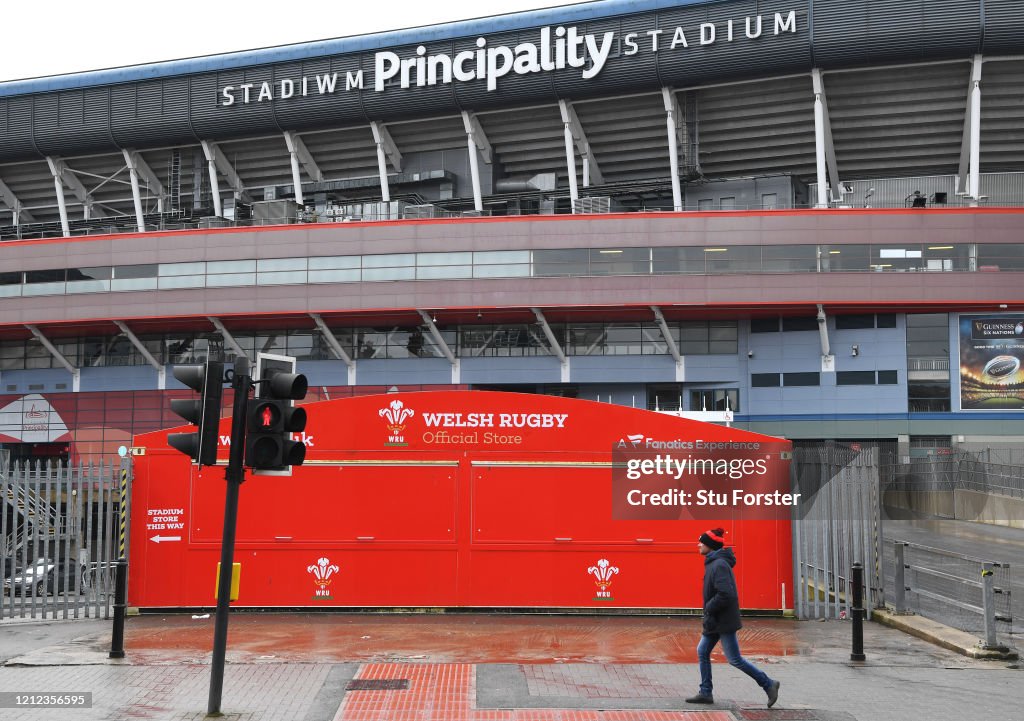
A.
pixel 501 264
pixel 1000 256
pixel 10 278
pixel 103 272
pixel 928 396
pixel 947 257
pixel 665 398
pixel 230 266
pixel 789 258
pixel 706 204
pixel 887 378
pixel 897 258
pixel 855 378
pixel 717 399
pixel 723 336
pixel 733 259
pixel 620 261
pixel 854 322
pixel 391 260
pixel 769 201
pixel 280 264
pixel 429 259
pixel 45 276
pixel 886 320
pixel 844 258
pixel 334 262
pixel 678 260
pixel 728 203
pixel 148 270
pixel 801 379
pixel 573 261
pixel 764 325
pixel 799 323
pixel 177 269
pixel 764 380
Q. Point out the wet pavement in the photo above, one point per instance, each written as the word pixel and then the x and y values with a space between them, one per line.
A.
pixel 493 667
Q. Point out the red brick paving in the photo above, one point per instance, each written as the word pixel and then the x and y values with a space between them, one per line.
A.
pixel 446 692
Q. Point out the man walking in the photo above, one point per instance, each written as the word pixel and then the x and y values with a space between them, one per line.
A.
pixel 722 618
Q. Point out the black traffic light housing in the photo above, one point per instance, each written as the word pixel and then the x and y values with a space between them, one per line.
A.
pixel 271 418
pixel 208 381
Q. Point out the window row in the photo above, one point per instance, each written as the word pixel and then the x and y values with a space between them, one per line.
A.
pixel 594 339
pixel 514 264
pixel 843 378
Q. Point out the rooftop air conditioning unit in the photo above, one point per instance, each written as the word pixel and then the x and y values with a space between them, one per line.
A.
pixel 416 212
pixel 593 205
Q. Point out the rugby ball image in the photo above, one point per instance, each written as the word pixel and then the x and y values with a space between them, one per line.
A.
pixel 1002 366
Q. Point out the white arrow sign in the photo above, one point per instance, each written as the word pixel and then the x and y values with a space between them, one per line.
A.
pixel 159 539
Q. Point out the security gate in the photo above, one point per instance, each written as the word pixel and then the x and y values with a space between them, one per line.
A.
pixel 59 534
pixel 837 523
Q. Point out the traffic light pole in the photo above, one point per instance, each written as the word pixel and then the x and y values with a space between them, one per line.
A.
pixel 235 474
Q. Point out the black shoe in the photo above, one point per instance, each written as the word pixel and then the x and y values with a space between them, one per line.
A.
pixel 773 693
pixel 701 698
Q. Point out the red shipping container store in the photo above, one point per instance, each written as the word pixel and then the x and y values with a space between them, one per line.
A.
pixel 451 499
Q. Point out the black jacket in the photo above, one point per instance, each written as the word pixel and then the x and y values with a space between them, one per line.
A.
pixel 721 602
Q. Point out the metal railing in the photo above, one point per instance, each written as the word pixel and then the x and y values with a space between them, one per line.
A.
pixel 58 540
pixel 961 591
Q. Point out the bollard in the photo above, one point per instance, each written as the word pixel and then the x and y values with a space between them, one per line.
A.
pixel 121 579
pixel 988 604
pixel 858 613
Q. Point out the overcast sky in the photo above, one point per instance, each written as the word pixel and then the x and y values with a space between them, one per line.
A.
pixel 52 37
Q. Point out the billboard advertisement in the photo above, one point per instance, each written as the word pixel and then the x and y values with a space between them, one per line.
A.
pixel 991 358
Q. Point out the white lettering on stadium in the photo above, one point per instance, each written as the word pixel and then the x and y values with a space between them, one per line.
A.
pixel 556 49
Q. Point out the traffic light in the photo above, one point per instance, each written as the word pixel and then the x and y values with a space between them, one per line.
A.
pixel 271 419
pixel 208 381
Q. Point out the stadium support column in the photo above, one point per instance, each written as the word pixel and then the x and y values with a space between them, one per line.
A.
pixel 133 173
pixel 476 143
pixel 968 172
pixel 674 123
pixel 819 139
pixel 57 170
pixel 289 140
pixel 975 188
pixel 386 150
pixel 570 164
pixel 17 210
pixel 210 151
pixel 591 170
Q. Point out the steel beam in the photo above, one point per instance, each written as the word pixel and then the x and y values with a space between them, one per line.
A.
pixel 219 163
pixel 556 347
pixel 670 342
pixel 428 320
pixel 76 373
pixel 476 141
pixel 591 171
pixel 20 214
pixel 161 371
pixel 335 346
pixel 228 338
pixel 386 151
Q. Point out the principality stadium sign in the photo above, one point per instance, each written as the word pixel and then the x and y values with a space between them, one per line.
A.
pixel 555 49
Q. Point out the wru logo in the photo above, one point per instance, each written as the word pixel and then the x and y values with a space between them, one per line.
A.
pixel 603 572
pixel 322 571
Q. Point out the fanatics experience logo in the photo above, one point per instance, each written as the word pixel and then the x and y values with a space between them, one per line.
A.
pixel 555 48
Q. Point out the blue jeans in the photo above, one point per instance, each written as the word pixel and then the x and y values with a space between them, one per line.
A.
pixel 731 647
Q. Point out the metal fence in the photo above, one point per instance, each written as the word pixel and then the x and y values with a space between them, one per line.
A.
pixel 965 592
pixel 837 524
pixel 59 540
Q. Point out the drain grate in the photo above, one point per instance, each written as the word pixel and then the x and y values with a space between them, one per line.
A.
pixel 378 684
pixel 781 714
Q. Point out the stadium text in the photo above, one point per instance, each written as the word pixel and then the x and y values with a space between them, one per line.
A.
pixel 556 48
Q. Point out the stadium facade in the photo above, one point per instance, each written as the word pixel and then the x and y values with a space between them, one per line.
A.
pixel 802 218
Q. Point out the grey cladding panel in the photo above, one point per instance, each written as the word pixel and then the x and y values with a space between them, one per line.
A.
pixel 742 57
pixel 341 108
pixel 134 107
pixel 67 120
pixel 16 128
pixel 1004 26
pixel 413 102
pixel 512 88
pixel 881 31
